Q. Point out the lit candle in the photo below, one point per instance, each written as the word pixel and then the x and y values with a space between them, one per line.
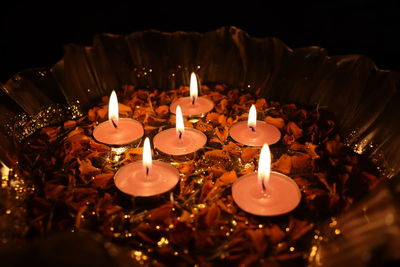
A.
pixel 254 132
pixel 193 105
pixel 147 177
pixel 181 140
pixel 266 193
pixel 117 131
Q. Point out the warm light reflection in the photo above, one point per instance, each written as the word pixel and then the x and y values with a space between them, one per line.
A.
pixel 147 160
pixel 113 108
pixel 4 169
pixel 180 127
pixel 264 167
pixel 194 91
pixel 252 120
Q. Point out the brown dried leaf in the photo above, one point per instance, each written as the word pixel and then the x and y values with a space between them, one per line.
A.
pixel 86 167
pixel 277 122
pixel 98 146
pixel 213 117
pixel 227 178
pixel 76 131
pixel 102 180
pixel 371 179
pixel 283 164
pixel 222 134
pixel 162 111
pixel 310 149
pixel 135 150
pixel 301 163
pixel 298 228
pixel 69 124
pixel 106 206
pixel 274 233
pixel 258 240
pixel 232 148
pixel 261 104
pixel 162 214
pixel 334 147
pixel 186 168
pixel 92 114
pixel 54 191
pixel 222 106
pixel 51 132
pixel 288 256
pixel 217 155
pixel 202 126
pixel 294 130
pixel 212 216
pixel 181 234
pixel 248 154
pixel 102 112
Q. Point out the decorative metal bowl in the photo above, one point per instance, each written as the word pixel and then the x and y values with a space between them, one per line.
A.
pixel 364 100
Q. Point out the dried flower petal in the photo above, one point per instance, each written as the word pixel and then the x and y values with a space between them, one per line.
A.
pixel 248 154
pixel 294 130
pixel 86 167
pixel 227 178
pixel 283 164
pixel 277 122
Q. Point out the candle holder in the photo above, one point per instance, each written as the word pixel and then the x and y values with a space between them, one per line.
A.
pixel 193 111
pixel 281 196
pixel 254 132
pixel 131 180
pixel 167 142
pixel 193 106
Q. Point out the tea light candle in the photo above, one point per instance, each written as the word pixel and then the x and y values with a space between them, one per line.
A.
pixel 117 131
pixel 266 193
pixel 193 105
pixel 254 132
pixel 147 177
pixel 179 140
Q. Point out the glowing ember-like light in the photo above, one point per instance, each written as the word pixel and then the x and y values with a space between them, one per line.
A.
pixel 147 160
pixel 264 167
pixel 180 127
pixel 113 109
pixel 252 120
pixel 194 91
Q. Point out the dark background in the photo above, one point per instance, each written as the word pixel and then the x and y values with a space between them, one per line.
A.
pixel 33 34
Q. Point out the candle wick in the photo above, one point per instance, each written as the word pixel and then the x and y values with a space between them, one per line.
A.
pixel 264 189
pixel 193 100
pixel 180 134
pixel 147 171
pixel 114 124
pixel 252 128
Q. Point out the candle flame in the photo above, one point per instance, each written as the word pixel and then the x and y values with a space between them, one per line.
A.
pixel 147 160
pixel 264 167
pixel 194 91
pixel 4 169
pixel 113 108
pixel 252 120
pixel 180 127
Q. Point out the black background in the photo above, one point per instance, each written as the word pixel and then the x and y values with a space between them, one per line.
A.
pixel 32 34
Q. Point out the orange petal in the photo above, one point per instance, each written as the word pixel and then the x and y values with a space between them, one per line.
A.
pixel 283 164
pixel 248 154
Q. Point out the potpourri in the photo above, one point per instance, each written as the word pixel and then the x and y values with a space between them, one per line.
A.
pixel 198 222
